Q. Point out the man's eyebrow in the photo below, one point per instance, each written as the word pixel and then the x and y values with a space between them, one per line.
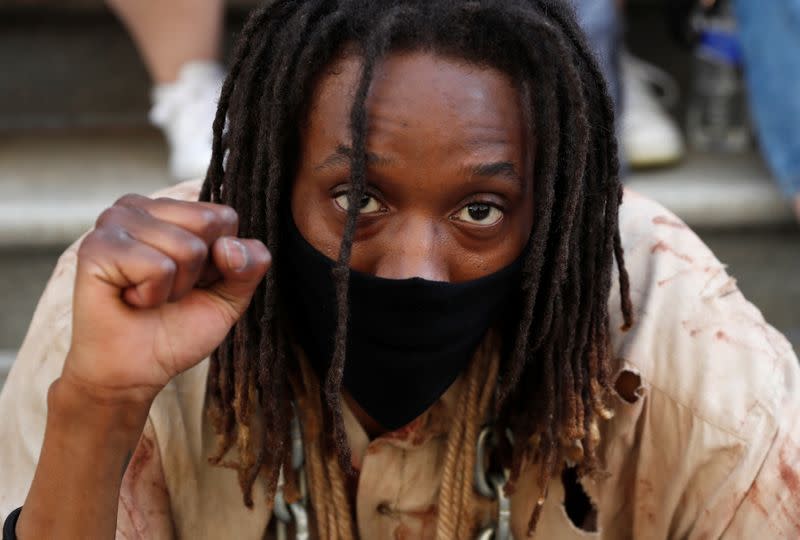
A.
pixel 343 154
pixel 503 169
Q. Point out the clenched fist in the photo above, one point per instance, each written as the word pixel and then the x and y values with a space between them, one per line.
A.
pixel 159 284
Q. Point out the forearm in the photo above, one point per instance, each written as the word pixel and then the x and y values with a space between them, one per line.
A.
pixel 87 444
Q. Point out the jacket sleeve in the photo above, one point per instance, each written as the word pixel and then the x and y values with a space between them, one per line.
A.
pixel 144 509
pixel 708 446
pixel 771 506
pixel 23 400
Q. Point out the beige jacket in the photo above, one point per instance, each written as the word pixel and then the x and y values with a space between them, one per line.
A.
pixel 707 447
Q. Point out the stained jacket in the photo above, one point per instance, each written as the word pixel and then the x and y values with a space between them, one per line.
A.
pixel 705 444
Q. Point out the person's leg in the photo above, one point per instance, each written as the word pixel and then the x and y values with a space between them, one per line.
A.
pixel 770 37
pixel 647 135
pixel 171 33
pixel 179 41
pixel 600 21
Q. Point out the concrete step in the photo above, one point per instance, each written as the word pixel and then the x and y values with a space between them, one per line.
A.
pixel 56 76
pixel 23 275
pixel 56 184
pixel 73 69
pixel 717 191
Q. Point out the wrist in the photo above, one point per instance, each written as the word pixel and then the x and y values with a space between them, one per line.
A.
pixel 76 406
pixel 87 445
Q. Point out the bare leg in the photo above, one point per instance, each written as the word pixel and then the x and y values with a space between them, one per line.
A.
pixel 179 41
pixel 170 33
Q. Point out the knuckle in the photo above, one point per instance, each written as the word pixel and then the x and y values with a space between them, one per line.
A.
pixel 217 219
pixel 198 248
pixel 110 215
pixel 166 267
pixel 105 235
pixel 167 203
pixel 229 215
pixel 208 220
pixel 89 244
pixel 115 234
pixel 193 250
pixel 130 199
pixel 103 242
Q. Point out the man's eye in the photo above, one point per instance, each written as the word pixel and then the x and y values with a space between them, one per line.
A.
pixel 479 214
pixel 367 204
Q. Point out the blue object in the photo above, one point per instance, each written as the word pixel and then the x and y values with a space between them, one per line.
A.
pixel 769 33
pixel 601 23
pixel 722 45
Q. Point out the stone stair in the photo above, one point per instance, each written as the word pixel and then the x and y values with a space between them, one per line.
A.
pixel 74 137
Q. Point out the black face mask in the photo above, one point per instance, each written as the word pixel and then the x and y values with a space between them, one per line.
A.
pixel 408 339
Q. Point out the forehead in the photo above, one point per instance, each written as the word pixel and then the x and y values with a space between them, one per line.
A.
pixel 448 101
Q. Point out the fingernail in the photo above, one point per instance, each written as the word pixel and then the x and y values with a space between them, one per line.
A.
pixel 236 255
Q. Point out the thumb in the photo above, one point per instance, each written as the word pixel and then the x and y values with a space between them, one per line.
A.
pixel 209 313
pixel 242 264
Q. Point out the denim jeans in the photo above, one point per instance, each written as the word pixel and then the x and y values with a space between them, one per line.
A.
pixel 770 37
pixel 600 21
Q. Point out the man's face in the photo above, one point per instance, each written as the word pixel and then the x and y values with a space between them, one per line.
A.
pixel 448 197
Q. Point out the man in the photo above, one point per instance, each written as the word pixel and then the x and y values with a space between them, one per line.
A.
pixel 433 188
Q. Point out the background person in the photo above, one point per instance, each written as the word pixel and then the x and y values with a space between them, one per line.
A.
pixel 180 42
pixel 770 38
pixel 648 135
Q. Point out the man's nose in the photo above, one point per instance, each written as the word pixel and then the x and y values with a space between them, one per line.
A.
pixel 414 252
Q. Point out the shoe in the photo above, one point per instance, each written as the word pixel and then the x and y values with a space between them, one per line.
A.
pixel 185 111
pixel 649 136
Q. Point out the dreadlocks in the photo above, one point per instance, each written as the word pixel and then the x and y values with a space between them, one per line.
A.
pixel 553 380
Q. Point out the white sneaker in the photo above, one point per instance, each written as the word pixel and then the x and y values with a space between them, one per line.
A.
pixel 649 136
pixel 185 110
